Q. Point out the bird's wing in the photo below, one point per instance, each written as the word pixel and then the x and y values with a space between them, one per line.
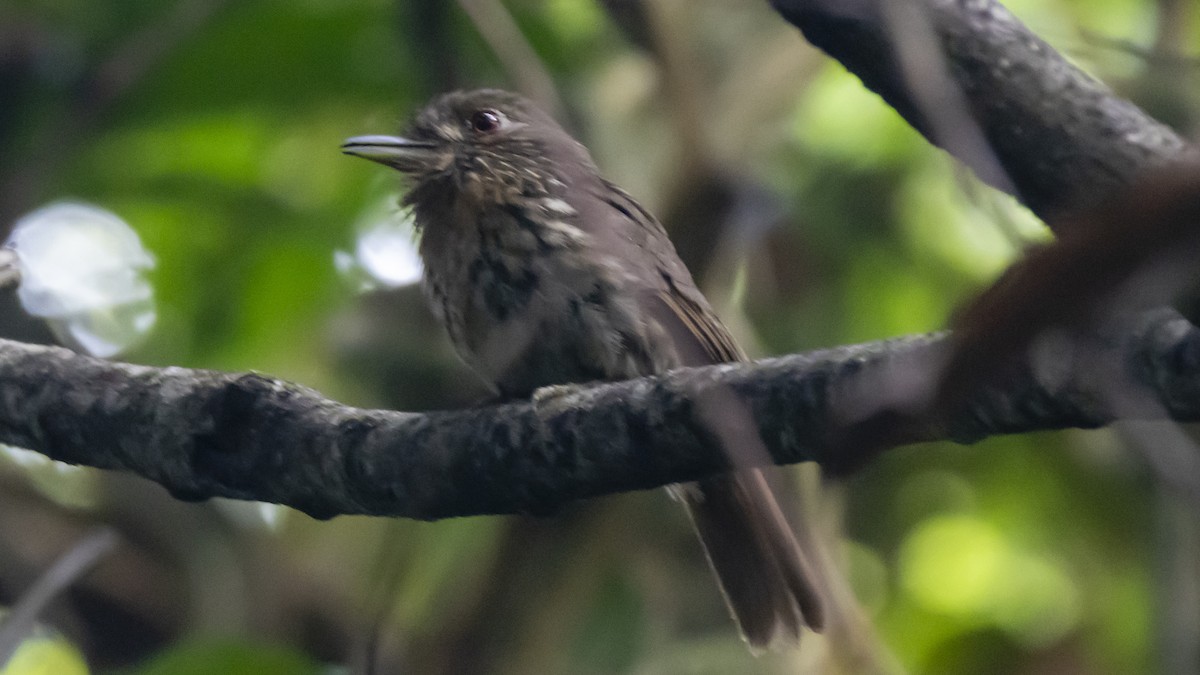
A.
pixel 700 337
pixel 676 303
pixel 763 572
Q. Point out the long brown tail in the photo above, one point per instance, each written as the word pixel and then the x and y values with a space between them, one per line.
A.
pixel 762 570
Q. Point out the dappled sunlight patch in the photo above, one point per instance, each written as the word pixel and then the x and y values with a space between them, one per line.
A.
pixel 45 654
pixel 842 120
pixel 222 147
pixel 950 218
pixel 962 566
pixel 893 299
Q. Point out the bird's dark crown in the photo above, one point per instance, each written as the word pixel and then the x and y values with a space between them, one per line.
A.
pixel 497 132
pixel 450 117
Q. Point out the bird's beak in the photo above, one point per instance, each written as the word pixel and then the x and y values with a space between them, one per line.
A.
pixel 402 154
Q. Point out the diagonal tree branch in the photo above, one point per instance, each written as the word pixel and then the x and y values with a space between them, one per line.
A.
pixel 1064 139
pixel 975 81
pixel 203 434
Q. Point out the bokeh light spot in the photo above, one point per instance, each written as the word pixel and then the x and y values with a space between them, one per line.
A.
pixel 962 566
pixel 953 564
pixel 82 270
pixel 385 251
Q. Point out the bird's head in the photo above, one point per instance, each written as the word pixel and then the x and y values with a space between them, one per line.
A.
pixel 486 144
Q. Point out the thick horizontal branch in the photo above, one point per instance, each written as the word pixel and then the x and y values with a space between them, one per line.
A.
pixel 205 434
pixel 1063 138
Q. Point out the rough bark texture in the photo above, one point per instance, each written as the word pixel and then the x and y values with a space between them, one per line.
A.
pixel 1062 139
pixel 204 434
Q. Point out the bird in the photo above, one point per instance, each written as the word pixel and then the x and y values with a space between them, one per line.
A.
pixel 545 274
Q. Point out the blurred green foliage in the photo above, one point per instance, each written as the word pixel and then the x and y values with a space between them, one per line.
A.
pixel 213 128
pixel 45 655
pixel 230 658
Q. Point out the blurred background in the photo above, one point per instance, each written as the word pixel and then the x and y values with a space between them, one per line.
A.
pixel 811 214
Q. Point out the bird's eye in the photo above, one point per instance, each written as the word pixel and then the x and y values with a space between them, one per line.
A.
pixel 485 121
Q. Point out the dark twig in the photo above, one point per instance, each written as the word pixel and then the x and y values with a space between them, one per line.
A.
pixel 65 571
pixel 936 95
pixel 497 27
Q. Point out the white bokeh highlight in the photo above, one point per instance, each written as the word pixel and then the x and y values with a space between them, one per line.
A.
pixel 385 252
pixel 82 269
